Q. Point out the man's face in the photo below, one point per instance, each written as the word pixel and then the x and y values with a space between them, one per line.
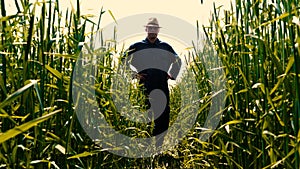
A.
pixel 152 32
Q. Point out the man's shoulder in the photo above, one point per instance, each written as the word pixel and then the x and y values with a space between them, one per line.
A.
pixel 163 43
pixel 166 46
pixel 136 44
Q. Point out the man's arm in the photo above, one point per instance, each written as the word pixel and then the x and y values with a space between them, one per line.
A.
pixel 174 68
pixel 175 65
pixel 126 60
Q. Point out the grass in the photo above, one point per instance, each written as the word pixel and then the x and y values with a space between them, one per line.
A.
pixel 255 42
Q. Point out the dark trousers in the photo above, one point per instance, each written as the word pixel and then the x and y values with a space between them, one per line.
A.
pixel 161 123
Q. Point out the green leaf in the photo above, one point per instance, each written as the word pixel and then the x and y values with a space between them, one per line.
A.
pixel 17 94
pixel 288 68
pixel 232 122
pixel 2 86
pixel 54 72
pixel 111 14
pixel 3 19
pixel 66 56
pixel 85 154
pixel 243 91
pixel 290 64
pixel 24 127
pixel 36 87
pixel 287 14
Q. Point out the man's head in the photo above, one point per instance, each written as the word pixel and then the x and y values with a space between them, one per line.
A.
pixel 152 28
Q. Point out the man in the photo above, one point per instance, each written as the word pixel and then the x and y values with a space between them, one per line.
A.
pixel 155 62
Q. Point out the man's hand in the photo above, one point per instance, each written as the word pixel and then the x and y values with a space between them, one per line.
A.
pixel 170 77
pixel 141 76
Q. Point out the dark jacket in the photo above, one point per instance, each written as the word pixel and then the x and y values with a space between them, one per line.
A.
pixel 155 63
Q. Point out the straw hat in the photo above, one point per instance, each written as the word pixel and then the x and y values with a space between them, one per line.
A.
pixel 153 23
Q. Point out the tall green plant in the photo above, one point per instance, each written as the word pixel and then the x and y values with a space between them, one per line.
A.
pixel 257 45
pixel 38 47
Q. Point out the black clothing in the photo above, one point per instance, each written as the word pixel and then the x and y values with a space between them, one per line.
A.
pixel 155 63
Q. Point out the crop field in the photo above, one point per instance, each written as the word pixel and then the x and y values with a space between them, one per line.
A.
pixel 257 49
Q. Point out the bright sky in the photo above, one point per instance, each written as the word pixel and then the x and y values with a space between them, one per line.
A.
pixel 189 11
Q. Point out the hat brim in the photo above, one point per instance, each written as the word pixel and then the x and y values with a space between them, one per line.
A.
pixel 150 25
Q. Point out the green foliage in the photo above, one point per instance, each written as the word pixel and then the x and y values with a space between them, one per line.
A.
pixel 255 41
